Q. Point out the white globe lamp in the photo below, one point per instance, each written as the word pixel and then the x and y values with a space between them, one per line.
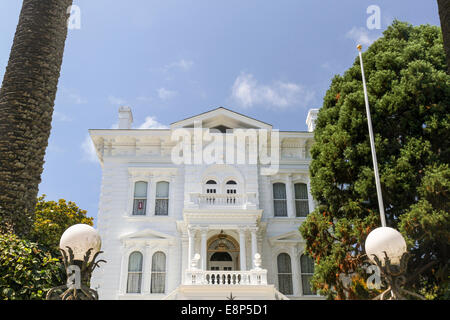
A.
pixel 80 238
pixel 387 240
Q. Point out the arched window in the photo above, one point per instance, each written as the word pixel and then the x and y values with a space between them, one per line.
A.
pixel 306 272
pixel 211 186
pixel 231 189
pixel 301 200
pixel 134 272
pixel 162 199
pixel 158 284
pixel 279 200
pixel 140 198
pixel 284 274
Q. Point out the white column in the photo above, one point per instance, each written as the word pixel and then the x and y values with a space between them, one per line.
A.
pixel 171 195
pixel 203 248
pixel 290 197
pixel 254 246
pixel 151 194
pixel 269 201
pixel 191 235
pixel 243 255
pixel 185 264
pixel 124 270
pixel 147 269
pixel 295 272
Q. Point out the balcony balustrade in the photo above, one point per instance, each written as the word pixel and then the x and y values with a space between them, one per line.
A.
pixel 205 200
pixel 221 278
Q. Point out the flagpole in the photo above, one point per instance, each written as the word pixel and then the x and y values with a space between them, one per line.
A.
pixel 372 144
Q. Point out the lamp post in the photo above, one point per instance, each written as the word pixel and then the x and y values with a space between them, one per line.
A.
pixel 79 245
pixel 385 246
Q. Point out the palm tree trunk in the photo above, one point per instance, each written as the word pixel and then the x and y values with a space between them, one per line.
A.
pixel 27 98
pixel 444 15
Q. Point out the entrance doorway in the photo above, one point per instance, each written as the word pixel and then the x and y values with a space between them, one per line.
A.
pixel 223 253
pixel 221 261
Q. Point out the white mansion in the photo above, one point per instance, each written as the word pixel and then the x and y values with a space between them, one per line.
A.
pixel 179 219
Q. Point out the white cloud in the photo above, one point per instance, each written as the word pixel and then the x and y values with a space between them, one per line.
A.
pixel 116 101
pixel 361 36
pixel 76 98
pixel 72 96
pixel 61 117
pixel 53 148
pixel 165 94
pixel 184 65
pixel 145 99
pixel 247 93
pixel 151 123
pixel 88 148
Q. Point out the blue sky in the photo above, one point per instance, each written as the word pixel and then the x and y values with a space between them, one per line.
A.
pixel 171 59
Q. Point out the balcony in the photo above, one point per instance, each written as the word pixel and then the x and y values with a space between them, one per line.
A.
pixel 226 278
pixel 216 200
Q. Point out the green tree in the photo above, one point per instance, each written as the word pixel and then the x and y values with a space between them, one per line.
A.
pixel 53 218
pixel 27 271
pixel 27 98
pixel 30 267
pixel 409 94
pixel 427 229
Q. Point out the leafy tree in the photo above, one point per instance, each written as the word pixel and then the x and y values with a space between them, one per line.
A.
pixel 427 229
pixel 27 98
pixel 409 94
pixel 29 268
pixel 27 271
pixel 53 218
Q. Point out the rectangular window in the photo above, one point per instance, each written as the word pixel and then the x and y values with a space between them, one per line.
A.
pixel 162 199
pixel 301 200
pixel 140 198
pixel 279 200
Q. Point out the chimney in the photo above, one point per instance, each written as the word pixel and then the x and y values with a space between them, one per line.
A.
pixel 125 117
pixel 311 119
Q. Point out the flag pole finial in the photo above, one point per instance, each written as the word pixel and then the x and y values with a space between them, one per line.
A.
pixel 359 47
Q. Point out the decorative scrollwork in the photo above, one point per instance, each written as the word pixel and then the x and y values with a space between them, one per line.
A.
pixel 395 277
pixel 79 273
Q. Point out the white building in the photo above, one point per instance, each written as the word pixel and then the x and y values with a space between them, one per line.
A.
pixel 191 229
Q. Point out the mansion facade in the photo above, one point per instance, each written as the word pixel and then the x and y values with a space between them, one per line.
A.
pixel 180 218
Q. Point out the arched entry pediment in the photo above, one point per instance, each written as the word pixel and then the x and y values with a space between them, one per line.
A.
pixel 223 253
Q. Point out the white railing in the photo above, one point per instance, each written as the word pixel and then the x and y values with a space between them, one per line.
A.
pixel 221 278
pixel 222 200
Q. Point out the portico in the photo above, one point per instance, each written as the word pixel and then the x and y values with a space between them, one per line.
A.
pixel 222 240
